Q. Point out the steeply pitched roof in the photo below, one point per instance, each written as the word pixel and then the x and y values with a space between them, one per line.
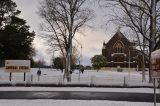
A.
pixel 119 36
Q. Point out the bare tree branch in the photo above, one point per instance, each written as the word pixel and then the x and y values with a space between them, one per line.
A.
pixel 63 18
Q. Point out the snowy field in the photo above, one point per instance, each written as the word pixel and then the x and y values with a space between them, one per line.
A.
pixel 90 77
pixel 71 103
pixel 52 76
pixel 91 89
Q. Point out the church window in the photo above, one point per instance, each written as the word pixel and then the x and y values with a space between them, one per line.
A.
pixel 118 47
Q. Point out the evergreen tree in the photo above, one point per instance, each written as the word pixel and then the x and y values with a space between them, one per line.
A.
pixel 15 37
pixel 58 63
pixel 98 61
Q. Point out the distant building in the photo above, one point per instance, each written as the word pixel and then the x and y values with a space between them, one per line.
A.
pixel 120 52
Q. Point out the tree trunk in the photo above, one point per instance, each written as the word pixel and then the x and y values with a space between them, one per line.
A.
pixel 152 30
pixel 143 68
pixel 68 61
pixel 143 60
pixel 67 67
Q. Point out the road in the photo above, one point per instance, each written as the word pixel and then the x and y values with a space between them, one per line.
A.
pixel 78 95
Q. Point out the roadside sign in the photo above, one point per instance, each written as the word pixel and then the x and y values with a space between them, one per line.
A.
pixel 155 64
pixel 17 65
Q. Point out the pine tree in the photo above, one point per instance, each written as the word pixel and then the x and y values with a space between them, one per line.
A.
pixel 15 37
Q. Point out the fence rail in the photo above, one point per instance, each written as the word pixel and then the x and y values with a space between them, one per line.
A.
pixel 75 80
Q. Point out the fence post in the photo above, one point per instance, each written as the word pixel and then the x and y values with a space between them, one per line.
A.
pixel 29 80
pixel 92 81
pixel 10 76
pixel 124 82
pixel 31 77
pixel 24 76
pixel 60 80
pixel 154 91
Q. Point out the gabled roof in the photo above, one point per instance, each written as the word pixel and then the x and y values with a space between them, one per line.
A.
pixel 118 36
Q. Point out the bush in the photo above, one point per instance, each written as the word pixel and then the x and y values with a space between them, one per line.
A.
pixel 119 69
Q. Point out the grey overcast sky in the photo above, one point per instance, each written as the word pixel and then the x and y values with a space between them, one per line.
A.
pixel 91 43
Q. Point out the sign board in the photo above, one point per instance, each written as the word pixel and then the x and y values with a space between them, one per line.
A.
pixel 155 64
pixel 17 65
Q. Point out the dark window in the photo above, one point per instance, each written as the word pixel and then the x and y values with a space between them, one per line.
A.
pixel 115 59
pixel 118 48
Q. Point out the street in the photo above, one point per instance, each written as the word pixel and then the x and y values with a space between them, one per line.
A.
pixel 78 95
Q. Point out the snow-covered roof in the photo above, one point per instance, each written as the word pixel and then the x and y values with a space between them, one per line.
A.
pixel 155 54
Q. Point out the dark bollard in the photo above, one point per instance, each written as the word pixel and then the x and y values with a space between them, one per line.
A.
pixel 24 76
pixel 10 76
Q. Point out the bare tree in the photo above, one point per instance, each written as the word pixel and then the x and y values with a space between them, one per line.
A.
pixel 142 17
pixel 62 19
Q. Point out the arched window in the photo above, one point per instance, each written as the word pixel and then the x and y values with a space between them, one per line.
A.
pixel 118 47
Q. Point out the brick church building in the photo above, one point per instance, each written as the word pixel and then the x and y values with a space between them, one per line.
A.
pixel 119 51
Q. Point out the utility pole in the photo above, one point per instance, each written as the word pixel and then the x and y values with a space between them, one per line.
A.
pixel 152 30
pixel 153 35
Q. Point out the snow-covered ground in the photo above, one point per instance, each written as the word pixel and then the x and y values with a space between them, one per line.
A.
pixel 90 76
pixel 52 76
pixel 131 90
pixel 71 103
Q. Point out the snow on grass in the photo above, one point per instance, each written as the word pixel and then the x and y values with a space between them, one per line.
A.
pixel 52 76
pixel 90 76
pixel 71 103
pixel 131 90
